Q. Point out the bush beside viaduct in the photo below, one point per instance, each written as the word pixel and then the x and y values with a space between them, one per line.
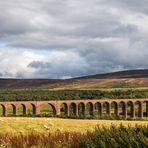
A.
pixel 77 107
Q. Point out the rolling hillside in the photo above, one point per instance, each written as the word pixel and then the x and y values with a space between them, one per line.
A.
pixel 131 78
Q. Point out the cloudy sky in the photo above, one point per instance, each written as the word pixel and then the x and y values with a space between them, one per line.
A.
pixel 70 38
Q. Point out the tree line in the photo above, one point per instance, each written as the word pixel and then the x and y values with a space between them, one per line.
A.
pixel 43 95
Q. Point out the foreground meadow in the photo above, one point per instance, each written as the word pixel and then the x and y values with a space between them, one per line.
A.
pixel 19 132
pixel 16 125
pixel 103 137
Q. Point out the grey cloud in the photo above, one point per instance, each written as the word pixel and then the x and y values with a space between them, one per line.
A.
pixel 96 35
pixel 6 74
pixel 132 5
pixel 39 64
pixel 58 24
pixel 92 62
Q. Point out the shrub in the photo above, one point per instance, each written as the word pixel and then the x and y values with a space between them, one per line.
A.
pixel 44 95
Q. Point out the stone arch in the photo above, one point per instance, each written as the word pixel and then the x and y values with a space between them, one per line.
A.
pixel 47 109
pixel 130 109
pixel 122 109
pixel 98 109
pixel 81 109
pixel 4 110
pixel 145 108
pixel 114 108
pixel 90 109
pixel 73 109
pixel 138 109
pixel 64 109
pixel 30 108
pixel 21 109
pixel 11 109
pixel 53 109
pixel 106 108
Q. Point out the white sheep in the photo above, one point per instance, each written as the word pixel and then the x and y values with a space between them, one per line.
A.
pixel 51 124
pixel 1 120
pixel 58 130
pixel 48 119
pixel 46 127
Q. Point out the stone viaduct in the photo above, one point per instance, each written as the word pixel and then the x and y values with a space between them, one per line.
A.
pixel 126 107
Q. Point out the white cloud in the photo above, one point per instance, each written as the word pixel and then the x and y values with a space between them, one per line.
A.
pixel 14 63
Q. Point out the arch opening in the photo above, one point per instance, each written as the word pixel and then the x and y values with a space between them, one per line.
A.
pixel 21 109
pixel 122 109
pixel 145 109
pixel 130 109
pixel 106 108
pixel 114 109
pixel 138 109
pixel 11 110
pixel 89 109
pixel 3 111
pixel 81 109
pixel 64 109
pixel 31 109
pixel 98 109
pixel 48 110
pixel 73 109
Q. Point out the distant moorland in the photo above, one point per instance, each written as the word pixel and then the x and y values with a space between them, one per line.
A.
pixel 123 79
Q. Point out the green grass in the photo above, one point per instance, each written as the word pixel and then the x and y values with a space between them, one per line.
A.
pixel 102 136
pixel 27 125
pixel 102 89
pixel 114 89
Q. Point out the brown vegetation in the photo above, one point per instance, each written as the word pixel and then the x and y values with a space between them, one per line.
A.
pixel 102 137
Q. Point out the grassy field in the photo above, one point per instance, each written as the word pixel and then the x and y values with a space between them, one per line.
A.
pixel 104 89
pixel 44 125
